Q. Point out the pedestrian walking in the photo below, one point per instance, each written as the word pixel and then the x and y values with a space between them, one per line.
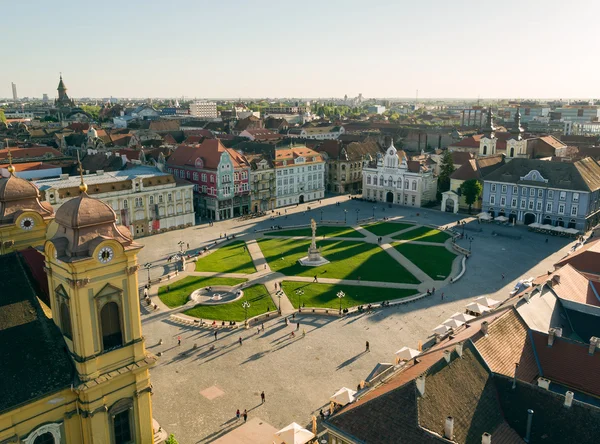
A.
pixel 298 326
pixel 433 290
pixel 502 275
pixel 293 315
pixel 240 340
pixel 257 330
pixel 359 279
pixel 315 279
pixel 286 321
pixel 215 335
pixel 322 415
pixel 245 415
pixel 188 246
pixel 178 340
pixel 262 397
pixel 546 240
pixel 442 295
pixel 237 414
pixel 262 327
pixel 367 347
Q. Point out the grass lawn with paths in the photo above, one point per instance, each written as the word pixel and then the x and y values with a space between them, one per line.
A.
pixel 423 234
pixel 178 292
pixel 433 260
pixel 322 230
pixel 385 228
pixel 230 258
pixel 257 295
pixel 325 295
pixel 348 260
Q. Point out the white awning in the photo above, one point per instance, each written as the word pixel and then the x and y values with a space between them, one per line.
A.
pixel 535 225
pixel 571 230
pixel 559 229
pixel 463 317
pixel 501 218
pixel 343 396
pixel 441 329
pixel 293 434
pixel 453 323
pixel 484 216
pixel 406 353
pixel 476 307
pixel 488 302
pixel 546 227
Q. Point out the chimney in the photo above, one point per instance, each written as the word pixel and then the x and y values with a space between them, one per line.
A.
pixel 551 334
pixel 486 438
pixel 484 327
pixel 594 342
pixel 421 384
pixel 544 383
pixel 459 349
pixel 569 399
pixel 558 332
pixel 529 421
pixel 447 354
pixel 449 428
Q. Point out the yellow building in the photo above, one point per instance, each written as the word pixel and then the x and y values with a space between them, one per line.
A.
pixel 78 371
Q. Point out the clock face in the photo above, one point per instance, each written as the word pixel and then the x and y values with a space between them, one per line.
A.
pixel 105 255
pixel 27 223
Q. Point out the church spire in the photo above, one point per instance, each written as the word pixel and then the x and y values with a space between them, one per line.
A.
pixel 517 129
pixel 489 130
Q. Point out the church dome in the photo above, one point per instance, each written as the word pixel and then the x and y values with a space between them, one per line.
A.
pixel 14 188
pixel 84 211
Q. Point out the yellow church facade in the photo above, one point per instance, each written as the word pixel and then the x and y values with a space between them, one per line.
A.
pixel 75 371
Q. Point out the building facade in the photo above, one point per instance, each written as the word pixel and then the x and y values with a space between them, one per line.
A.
pixel 204 110
pixel 144 199
pixel 394 179
pixel 316 132
pixel 262 183
pixel 300 175
pixel 554 193
pixel 221 178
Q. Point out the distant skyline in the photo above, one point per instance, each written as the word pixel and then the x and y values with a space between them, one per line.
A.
pixel 310 49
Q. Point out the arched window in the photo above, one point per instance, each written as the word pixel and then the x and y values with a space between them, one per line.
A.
pixel 120 415
pixel 65 320
pixel 46 438
pixel 390 181
pixel 406 184
pixel 110 324
pixel 484 150
pixel 374 180
pixel 512 152
pixel 151 200
pixel 414 185
pixel 381 180
pixel 368 180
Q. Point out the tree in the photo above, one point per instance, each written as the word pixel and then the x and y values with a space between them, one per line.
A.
pixel 2 116
pixel 446 170
pixel 92 110
pixel 171 440
pixel 471 189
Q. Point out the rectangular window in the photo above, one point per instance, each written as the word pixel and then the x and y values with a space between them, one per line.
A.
pixel 414 185
pixel 502 200
pixel 169 197
pixel 540 193
pixel 561 209
pixel 514 202
pixel 203 177
pixel 515 189
pixel 212 178
pixel 504 189
pixel 531 205
pixel 413 200
pixel 523 203
pixel 196 177
pixel 574 210
pixel 532 192
pixel 563 195
pixel 492 200
pixel 575 197
pixel 538 206
pixel 122 427
pixel 549 207
pixel 550 194
pixel 524 191
pixel 493 188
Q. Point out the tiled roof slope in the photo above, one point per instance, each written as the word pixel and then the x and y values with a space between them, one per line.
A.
pixel 507 343
pixel 586 259
pixel 571 285
pixel 34 360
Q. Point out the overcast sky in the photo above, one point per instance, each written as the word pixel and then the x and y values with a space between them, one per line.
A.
pixel 325 48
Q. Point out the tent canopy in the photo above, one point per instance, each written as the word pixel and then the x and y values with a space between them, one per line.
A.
pixel 343 396
pixel 476 307
pixel 463 317
pixel 535 225
pixel 502 218
pixel 441 329
pixel 484 215
pixel 571 230
pixel 453 323
pixel 293 434
pixel 488 302
pixel 406 353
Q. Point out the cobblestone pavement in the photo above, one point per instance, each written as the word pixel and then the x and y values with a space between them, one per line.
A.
pixel 197 391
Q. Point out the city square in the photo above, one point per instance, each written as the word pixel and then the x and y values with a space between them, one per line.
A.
pixel 203 381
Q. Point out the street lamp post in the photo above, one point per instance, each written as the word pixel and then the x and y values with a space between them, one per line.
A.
pixel 147 266
pixel 279 293
pixel 345 214
pixel 321 215
pixel 181 244
pixel 340 295
pixel 299 293
pixel 246 306
pixel 357 211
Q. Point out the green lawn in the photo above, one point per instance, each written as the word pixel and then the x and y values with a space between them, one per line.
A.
pixel 178 292
pixel 385 228
pixel 325 295
pixel 423 234
pixel 322 230
pixel 256 295
pixel 230 258
pixel 434 261
pixel 348 260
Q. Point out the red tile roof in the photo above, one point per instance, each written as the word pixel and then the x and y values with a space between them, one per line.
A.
pixel 24 153
pixel 209 151
pixel 586 259
pixel 289 154
pixel 30 166
pixel 570 284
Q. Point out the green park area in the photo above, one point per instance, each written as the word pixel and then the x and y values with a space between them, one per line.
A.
pixel 423 234
pixel 325 295
pixel 322 231
pixel 230 258
pixel 434 260
pixel 385 228
pixel 176 294
pixel 348 260
pixel 257 296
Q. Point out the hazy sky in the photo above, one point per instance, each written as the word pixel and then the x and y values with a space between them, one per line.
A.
pixel 325 48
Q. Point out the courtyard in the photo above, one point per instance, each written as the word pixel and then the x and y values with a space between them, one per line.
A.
pixel 199 385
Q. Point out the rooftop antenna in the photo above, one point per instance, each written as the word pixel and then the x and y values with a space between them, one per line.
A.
pixel 82 186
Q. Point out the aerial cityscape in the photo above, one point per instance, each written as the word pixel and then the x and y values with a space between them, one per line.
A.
pixel 323 223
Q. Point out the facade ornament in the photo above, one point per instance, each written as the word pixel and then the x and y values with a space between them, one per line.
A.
pixel 78 283
pixel 132 270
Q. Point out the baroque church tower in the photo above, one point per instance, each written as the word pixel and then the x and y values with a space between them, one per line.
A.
pixel 487 144
pixel 92 266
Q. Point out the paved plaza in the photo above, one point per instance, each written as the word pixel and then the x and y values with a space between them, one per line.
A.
pixel 199 385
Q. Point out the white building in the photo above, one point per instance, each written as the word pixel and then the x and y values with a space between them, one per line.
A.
pixel 395 179
pixel 376 109
pixel 316 132
pixel 145 200
pixel 300 174
pixel 577 113
pixel 204 110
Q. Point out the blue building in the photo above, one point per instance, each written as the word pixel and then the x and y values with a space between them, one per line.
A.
pixel 554 193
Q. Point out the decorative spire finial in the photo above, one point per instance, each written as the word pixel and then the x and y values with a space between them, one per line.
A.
pixel 82 186
pixel 11 168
